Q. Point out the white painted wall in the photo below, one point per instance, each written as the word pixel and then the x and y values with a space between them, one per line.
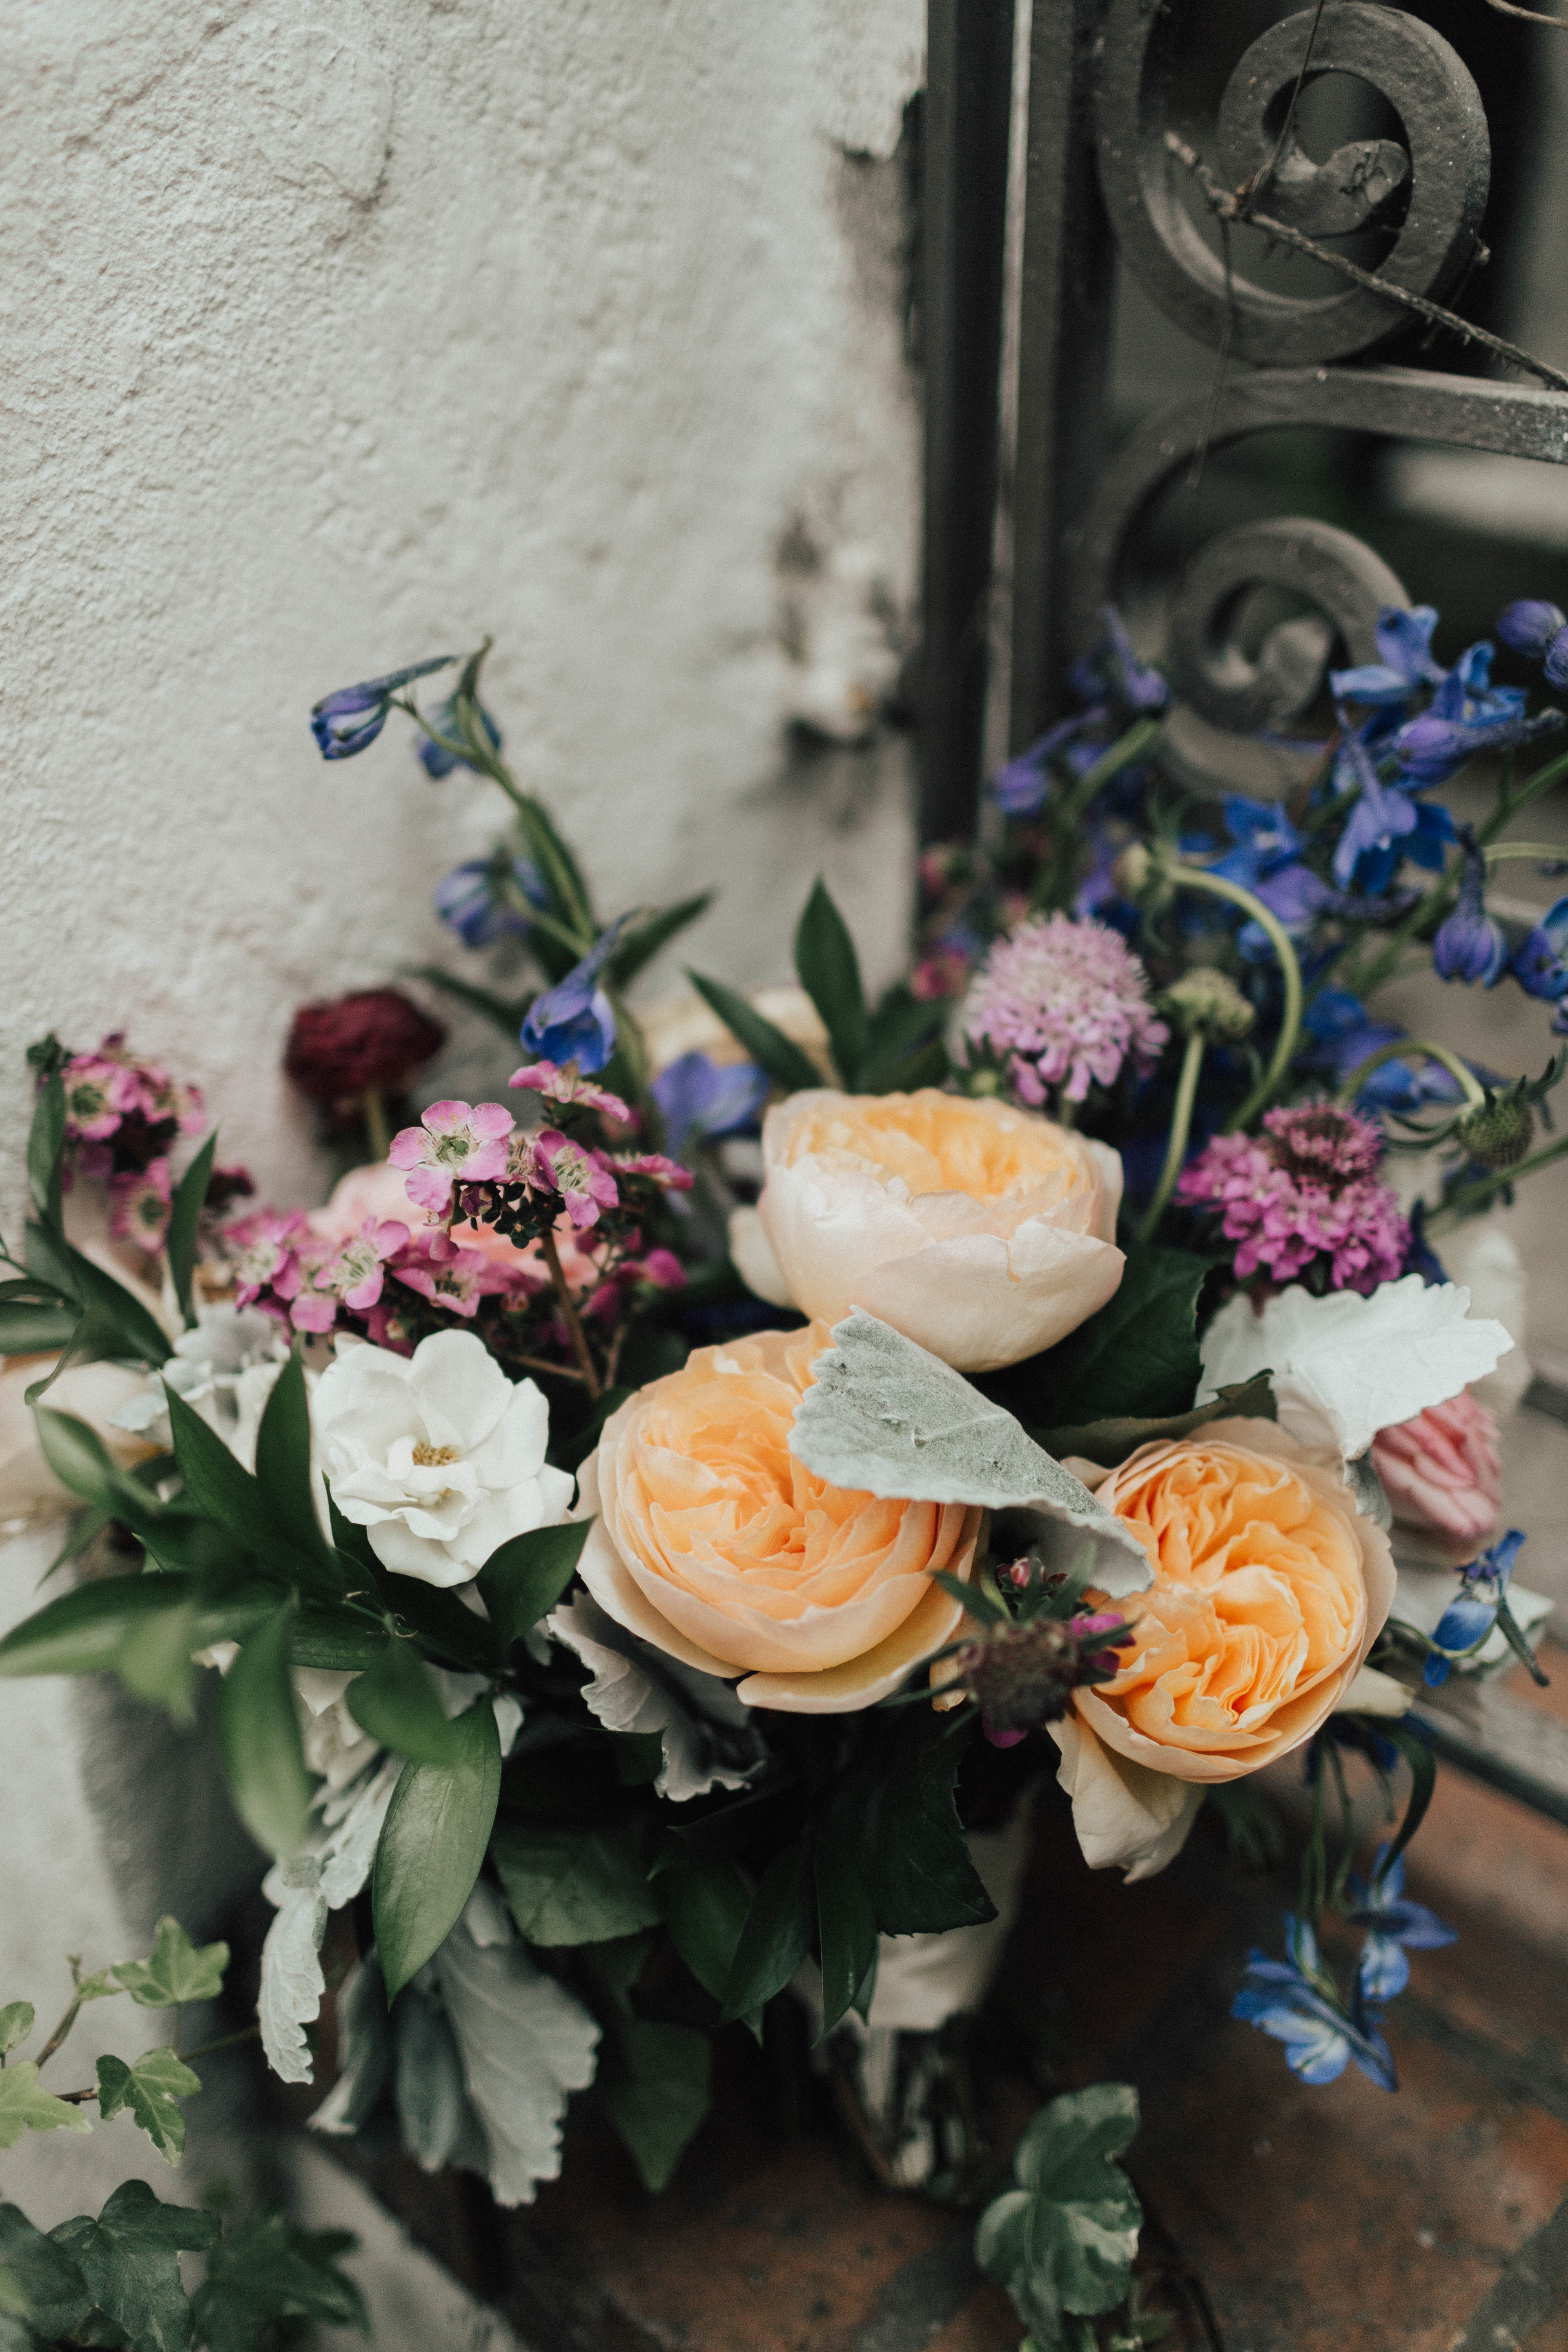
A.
pixel 338 332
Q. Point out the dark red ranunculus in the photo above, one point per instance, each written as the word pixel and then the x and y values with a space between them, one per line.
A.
pixel 375 1037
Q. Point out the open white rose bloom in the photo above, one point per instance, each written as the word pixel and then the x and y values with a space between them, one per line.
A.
pixel 438 1455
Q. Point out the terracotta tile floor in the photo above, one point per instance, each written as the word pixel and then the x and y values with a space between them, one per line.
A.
pixel 1339 2220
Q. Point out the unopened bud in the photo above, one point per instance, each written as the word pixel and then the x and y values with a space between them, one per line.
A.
pixel 1025 1675
pixel 1496 1133
pixel 1133 870
pixel 1206 1002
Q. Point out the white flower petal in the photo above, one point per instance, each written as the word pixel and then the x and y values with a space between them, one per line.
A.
pixel 1125 1815
pixel 460 1390
pixel 514 1449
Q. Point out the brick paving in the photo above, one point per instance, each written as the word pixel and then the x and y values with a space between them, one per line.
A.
pixel 1337 2220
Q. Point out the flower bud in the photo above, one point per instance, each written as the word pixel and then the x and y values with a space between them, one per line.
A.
pixel 1496 1133
pixel 1133 870
pixel 1025 1675
pixel 1206 1002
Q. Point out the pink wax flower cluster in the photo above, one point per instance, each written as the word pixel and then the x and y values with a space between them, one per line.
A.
pixel 1443 1471
pixel 1303 1195
pixel 122 1117
pixel 1063 1003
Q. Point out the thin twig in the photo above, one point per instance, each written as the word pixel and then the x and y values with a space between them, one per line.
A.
pixel 1265 172
pixel 569 1310
pixel 1531 15
pixel 543 1364
pixel 1228 206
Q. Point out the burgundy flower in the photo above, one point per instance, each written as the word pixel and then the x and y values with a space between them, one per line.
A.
pixel 372 1037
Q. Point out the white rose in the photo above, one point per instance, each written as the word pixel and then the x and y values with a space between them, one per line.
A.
pixel 981 1233
pixel 438 1455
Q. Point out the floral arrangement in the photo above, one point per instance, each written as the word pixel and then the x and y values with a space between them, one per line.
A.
pixel 650 1525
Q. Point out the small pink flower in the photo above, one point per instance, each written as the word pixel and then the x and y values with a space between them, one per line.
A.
pixel 583 1179
pixel 321 1279
pixel 139 1206
pixel 669 1174
pixel 448 1276
pixel 662 1268
pixel 561 1083
pixel 1063 1002
pixel 1303 1190
pixel 457 1143
pixel 1443 1470
pixel 260 1250
pixel 99 1093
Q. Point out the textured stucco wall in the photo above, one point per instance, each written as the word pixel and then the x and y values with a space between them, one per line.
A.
pixel 338 332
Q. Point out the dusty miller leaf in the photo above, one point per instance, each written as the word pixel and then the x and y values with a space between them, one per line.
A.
pixel 525 2044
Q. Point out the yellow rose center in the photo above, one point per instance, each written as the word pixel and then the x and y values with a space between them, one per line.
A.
pixel 434 1457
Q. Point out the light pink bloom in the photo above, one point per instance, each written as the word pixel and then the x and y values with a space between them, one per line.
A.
pixel 99 1092
pixel 457 1143
pixel 139 1206
pixel 377 1190
pixel 669 1174
pixel 1063 1003
pixel 1443 1470
pixel 1303 1190
pixel 583 1179
pixel 561 1083
pixel 454 1278
pixel 258 1248
pixel 321 1279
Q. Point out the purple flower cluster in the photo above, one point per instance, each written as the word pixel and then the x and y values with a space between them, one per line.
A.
pixel 1303 1194
pixel 1063 1003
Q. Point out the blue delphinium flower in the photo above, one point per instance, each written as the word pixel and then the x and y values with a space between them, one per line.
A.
pixel 1394 1927
pixel 574 1021
pixel 1383 815
pixel 1468 1620
pixel 1020 788
pixel 362 710
pixel 1530 626
pixel 1286 1999
pixel 700 1096
pixel 474 901
pixel 1540 963
pixel 1470 945
pixel 437 760
pixel 1114 671
pixel 1406 664
pixel 1116 687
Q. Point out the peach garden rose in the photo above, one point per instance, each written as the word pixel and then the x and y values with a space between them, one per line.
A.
pixel 982 1231
pixel 716 1545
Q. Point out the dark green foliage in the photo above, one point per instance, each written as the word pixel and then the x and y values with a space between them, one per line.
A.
pixel 130 2263
pixel 779 1055
pixel 1138 1357
pixel 268 2270
pixel 1063 2239
pixel 523 1580
pixel 432 1846
pixel 574 1886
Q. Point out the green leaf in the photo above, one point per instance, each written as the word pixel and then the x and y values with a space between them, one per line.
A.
pixel 259 1736
pixel 398 1704
pixel 900 1026
pixel 1138 1356
pixel 38 1329
pixel 82 1632
pixel 776 1936
pixel 25 2107
pixel 46 1142
pixel 847 1926
pixel 1063 2240
pixel 151 2088
pixel 523 1580
pixel 705 1900
pixel 432 1847
pixel 655 2085
pixel 272 2271
pixel 1423 1781
pixel 507 1012
pixel 44 2283
pixel 1110 1441
pixel 338 1639
pixel 78 1457
pixel 829 972
pixel 17 2021
pixel 130 2263
pixel 283 1474
pixel 782 1059
pixel 155 1663
pixel 897 1803
pixel 177 1971
pixel 184 1215
pixel 638 948
pixel 575 1887
pixel 141 1332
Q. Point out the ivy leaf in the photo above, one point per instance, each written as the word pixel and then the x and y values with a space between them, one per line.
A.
pixel 152 2087
pixel 259 1736
pixel 17 2021
pixel 178 1970
pixel 25 2107
pixel 270 2269
pixel 432 1846
pixel 776 1936
pixel 184 1217
pixel 40 2280
pixel 768 1047
pixel 655 2084
pixel 130 2263
pixel 1137 1355
pixel 575 1887
pixel 523 1581
pixel 829 972
pixel 1064 2239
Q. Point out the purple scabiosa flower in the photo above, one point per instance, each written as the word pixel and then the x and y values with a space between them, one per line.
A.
pixel 1394 1927
pixel 479 899
pixel 702 1098
pixel 1303 1193
pixel 139 1206
pixel 1467 1621
pixel 350 720
pixel 1470 945
pixel 1530 626
pixel 434 757
pixel 1405 661
pixel 565 1087
pixel 1289 2000
pixel 574 1021
pixel 1540 963
pixel 1063 1003
pixel 455 1144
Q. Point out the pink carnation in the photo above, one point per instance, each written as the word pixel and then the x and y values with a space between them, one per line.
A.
pixel 1301 1191
pixel 1443 1471
pixel 455 1144
pixel 1063 1003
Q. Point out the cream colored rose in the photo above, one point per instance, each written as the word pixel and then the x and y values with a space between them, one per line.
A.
pixel 716 1545
pixel 981 1231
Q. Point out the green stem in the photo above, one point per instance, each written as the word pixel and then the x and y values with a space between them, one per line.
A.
pixel 377 1132
pixel 1181 1128
pixel 1477 1195
pixel 1412 1049
pixel 570 1315
pixel 1064 820
pixel 1197 878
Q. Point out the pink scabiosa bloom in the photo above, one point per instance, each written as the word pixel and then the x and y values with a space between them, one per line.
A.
pixel 1443 1471
pixel 260 1248
pixel 454 1278
pixel 1063 1003
pixel 319 1279
pixel 1304 1191
pixel 562 1083
pixel 583 1179
pixel 457 1143
pixel 139 1206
